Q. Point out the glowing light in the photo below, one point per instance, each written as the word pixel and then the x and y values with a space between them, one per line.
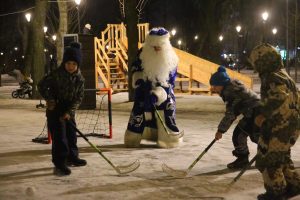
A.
pixel 173 32
pixel 28 16
pixel 265 15
pixel 78 2
pixel 238 28
pixel 221 37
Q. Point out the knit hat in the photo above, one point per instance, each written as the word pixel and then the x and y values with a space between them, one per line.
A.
pixel 72 53
pixel 219 78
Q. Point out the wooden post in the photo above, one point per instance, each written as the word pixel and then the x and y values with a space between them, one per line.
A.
pixel 96 62
pixel 191 79
pixel 209 92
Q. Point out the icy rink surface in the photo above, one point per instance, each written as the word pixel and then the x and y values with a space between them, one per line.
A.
pixel 26 171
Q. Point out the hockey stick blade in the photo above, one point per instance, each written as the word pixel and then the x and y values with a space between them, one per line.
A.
pixel 174 172
pixel 120 169
pixel 125 169
pixel 178 135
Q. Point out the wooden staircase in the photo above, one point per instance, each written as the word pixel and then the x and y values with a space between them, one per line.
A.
pixel 111 56
pixel 112 69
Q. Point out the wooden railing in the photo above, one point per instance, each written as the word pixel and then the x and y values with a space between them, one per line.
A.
pixel 101 61
pixel 142 31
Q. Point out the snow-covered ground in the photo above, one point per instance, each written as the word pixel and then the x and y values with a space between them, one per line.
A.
pixel 26 171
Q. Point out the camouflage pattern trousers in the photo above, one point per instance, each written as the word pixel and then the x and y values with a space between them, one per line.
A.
pixel 277 168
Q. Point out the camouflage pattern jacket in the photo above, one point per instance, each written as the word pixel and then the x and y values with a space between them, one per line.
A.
pixel 239 100
pixel 65 89
pixel 280 105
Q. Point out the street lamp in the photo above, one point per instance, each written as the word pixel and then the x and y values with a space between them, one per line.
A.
pixel 179 42
pixel 45 29
pixel 28 17
pixel 264 16
pixel 54 37
pixel 238 29
pixel 173 32
pixel 196 37
pixel 78 18
pixel 274 31
pixel 221 38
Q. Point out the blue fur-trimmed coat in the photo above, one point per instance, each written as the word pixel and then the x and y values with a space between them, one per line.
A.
pixel 142 101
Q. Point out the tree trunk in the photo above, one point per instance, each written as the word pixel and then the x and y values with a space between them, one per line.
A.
pixel 38 61
pixel 63 28
pixel 131 19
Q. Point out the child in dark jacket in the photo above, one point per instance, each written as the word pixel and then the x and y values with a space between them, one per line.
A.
pixel 63 90
pixel 239 101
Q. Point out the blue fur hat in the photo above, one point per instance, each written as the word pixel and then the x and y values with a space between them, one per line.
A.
pixel 219 78
pixel 73 53
pixel 160 31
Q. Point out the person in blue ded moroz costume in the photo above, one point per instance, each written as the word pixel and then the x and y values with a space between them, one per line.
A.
pixel 154 72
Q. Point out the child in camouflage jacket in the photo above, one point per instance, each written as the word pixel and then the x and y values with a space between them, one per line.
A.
pixel 279 122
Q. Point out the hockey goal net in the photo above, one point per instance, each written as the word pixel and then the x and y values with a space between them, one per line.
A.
pixel 95 122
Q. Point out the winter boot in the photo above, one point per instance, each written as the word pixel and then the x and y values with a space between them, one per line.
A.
pixel 166 137
pixel 62 170
pixel 132 139
pixel 269 196
pixel 76 162
pixel 239 163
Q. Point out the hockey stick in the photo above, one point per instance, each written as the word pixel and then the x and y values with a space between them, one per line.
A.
pixel 243 171
pixel 164 125
pixel 119 169
pixel 183 173
pixel 160 119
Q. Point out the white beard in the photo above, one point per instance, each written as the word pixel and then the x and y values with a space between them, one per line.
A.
pixel 157 65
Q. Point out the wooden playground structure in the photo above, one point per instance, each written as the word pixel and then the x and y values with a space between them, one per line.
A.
pixel 111 63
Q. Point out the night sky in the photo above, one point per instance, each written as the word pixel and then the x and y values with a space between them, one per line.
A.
pixel 97 13
pixel 170 14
